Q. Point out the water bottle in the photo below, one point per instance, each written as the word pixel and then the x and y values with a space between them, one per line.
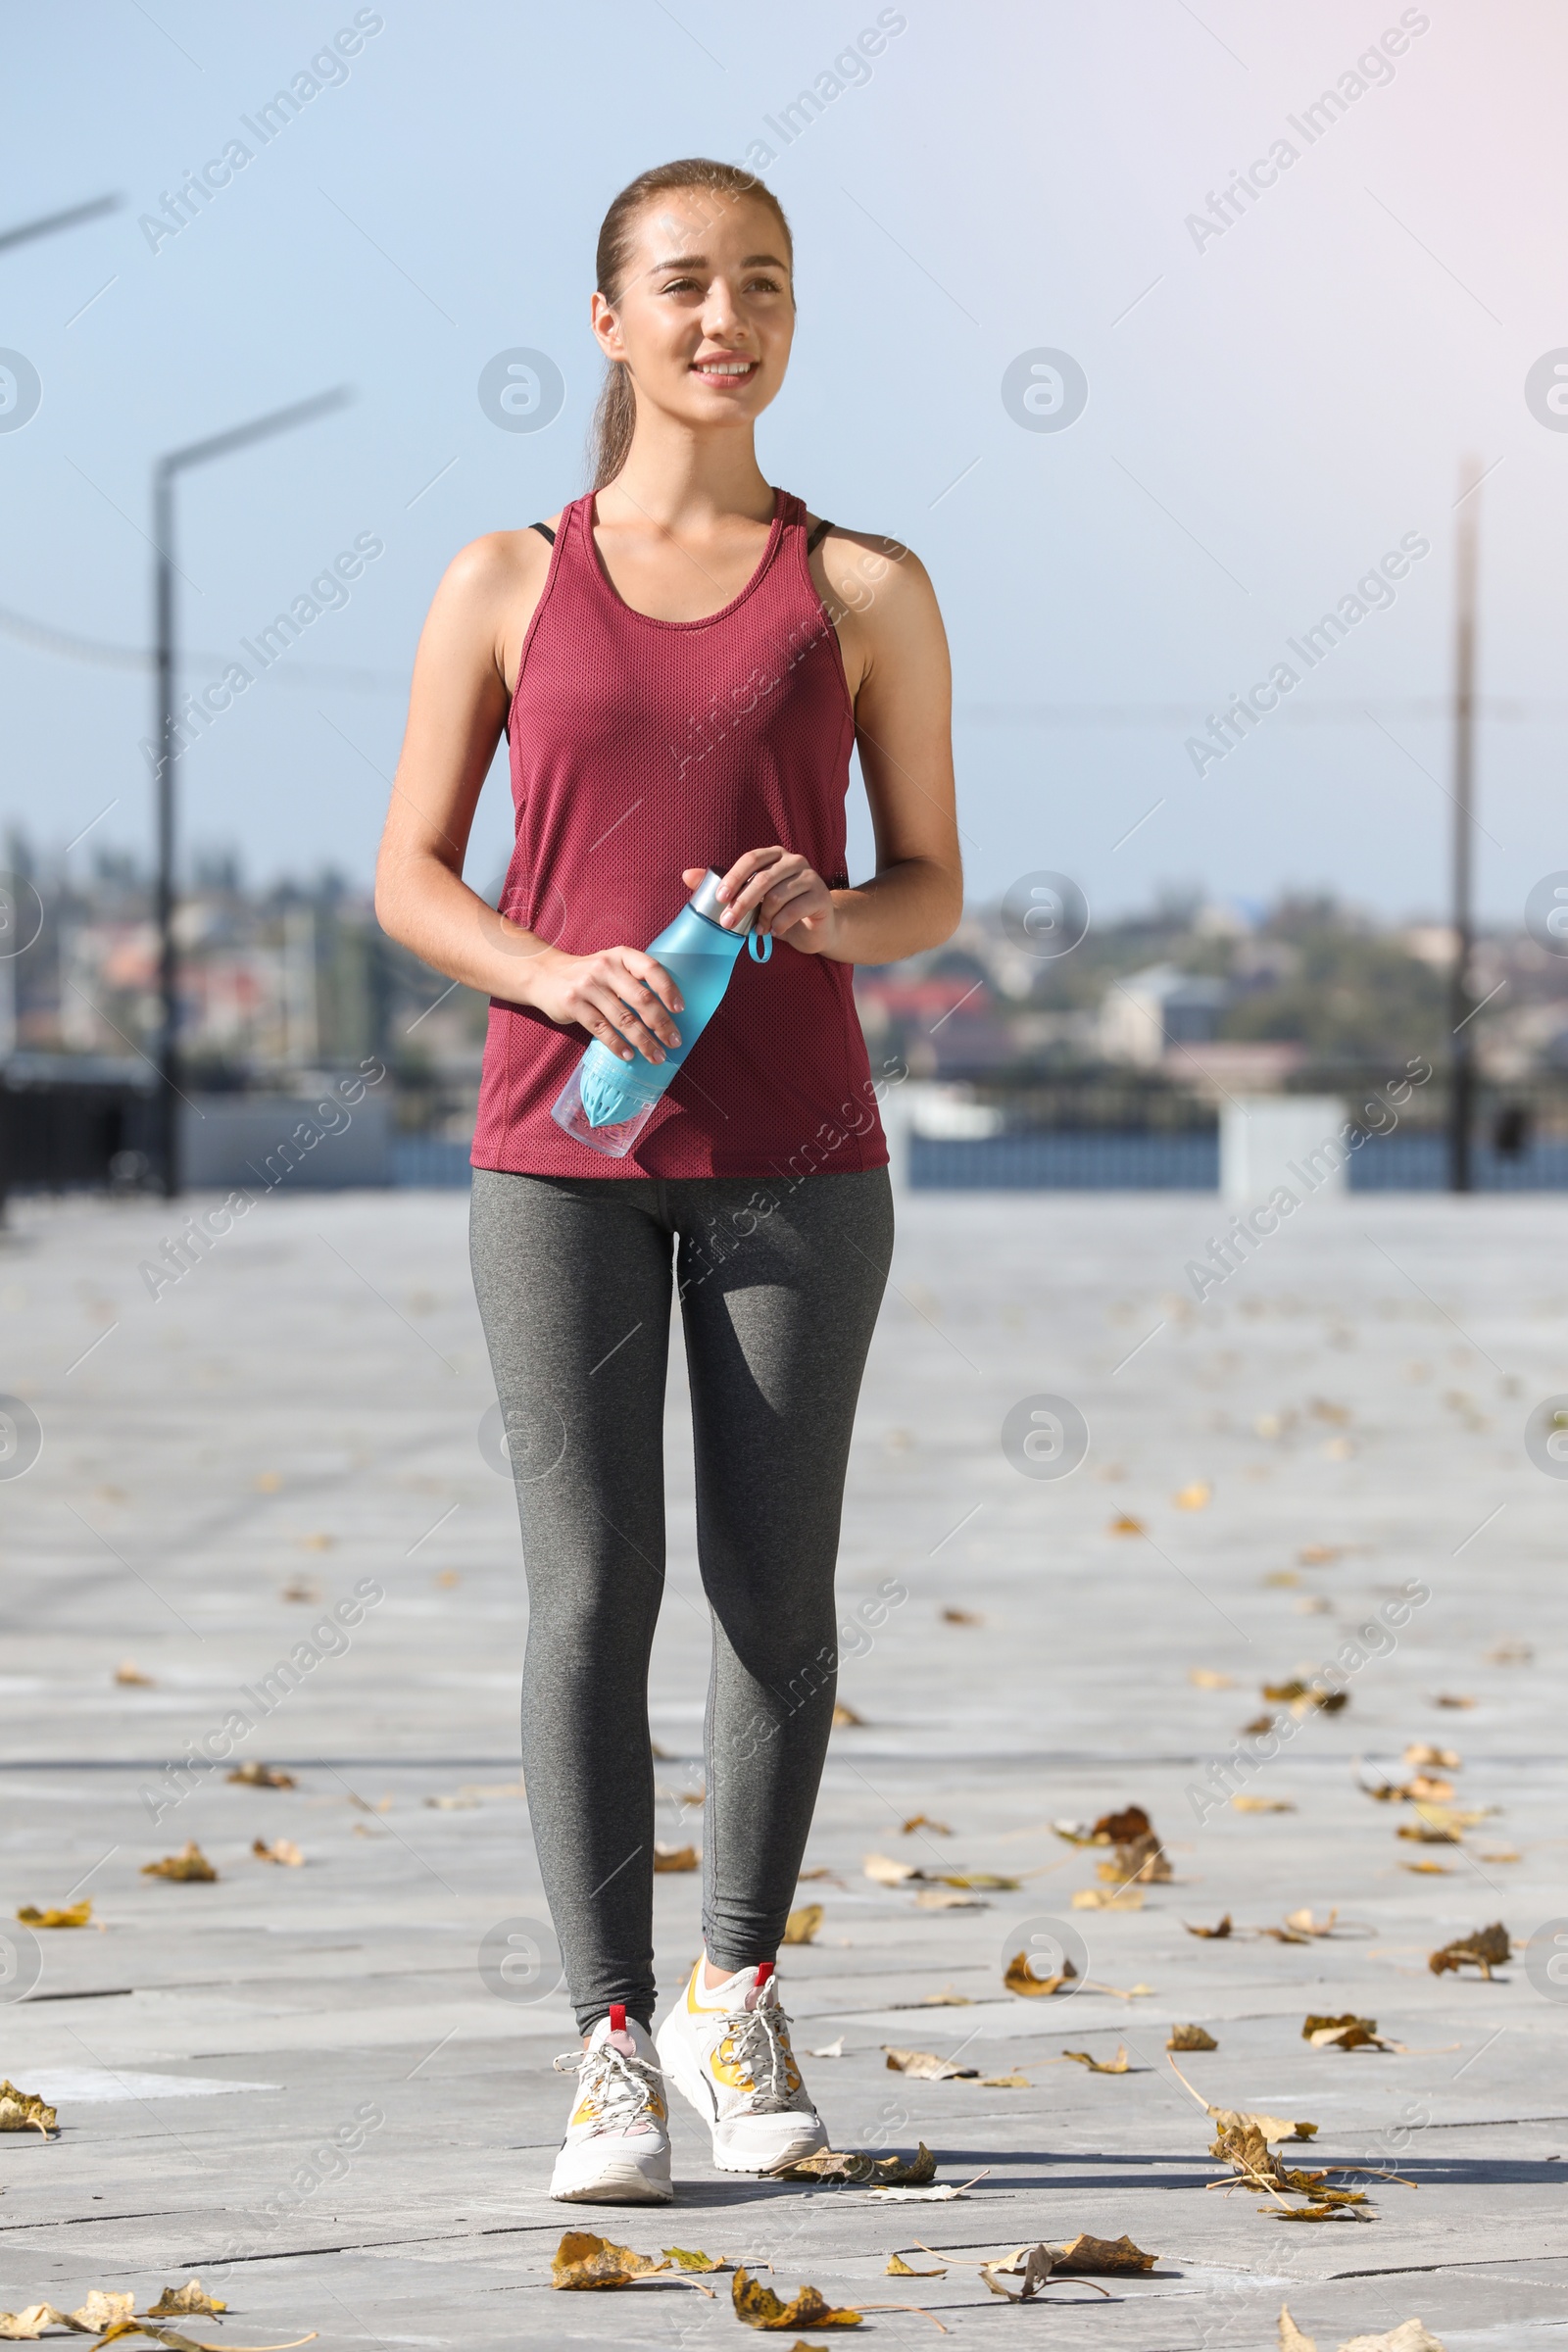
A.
pixel 607 1103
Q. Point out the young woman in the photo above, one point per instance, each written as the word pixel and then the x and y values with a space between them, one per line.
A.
pixel 682 661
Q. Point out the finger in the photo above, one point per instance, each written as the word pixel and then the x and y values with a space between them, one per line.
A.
pixel 745 867
pixel 786 866
pixel 599 1030
pixel 624 1021
pixel 648 1009
pixel 652 975
pixel 797 886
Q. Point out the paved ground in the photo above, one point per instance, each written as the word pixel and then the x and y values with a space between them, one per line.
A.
pixel 301 1412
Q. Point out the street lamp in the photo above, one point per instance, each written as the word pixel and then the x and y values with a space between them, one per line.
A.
pixel 71 217
pixel 1461 1079
pixel 164 475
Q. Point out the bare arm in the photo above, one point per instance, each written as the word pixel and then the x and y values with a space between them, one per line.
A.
pixel 896 659
pixel 456 710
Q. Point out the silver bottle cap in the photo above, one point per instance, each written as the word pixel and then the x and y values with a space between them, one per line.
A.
pixel 706 901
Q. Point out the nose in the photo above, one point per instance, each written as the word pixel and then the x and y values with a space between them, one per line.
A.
pixel 722 317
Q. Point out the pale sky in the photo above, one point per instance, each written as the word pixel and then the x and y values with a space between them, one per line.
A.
pixel 1271 409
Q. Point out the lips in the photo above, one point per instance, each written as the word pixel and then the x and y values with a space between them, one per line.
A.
pixel 725 372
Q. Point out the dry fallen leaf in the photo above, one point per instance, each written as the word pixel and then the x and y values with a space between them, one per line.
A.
pixel 1262 1805
pixel 76 1915
pixel 1012 2081
pixel 1425 1832
pixel 1207 1679
pixel 1421 1752
pixel 1506 1853
pixel 1195 1497
pixel 1304 1923
pixel 281 1850
pixel 898 2268
pixel 1510 1652
pixel 1409 2336
pixel 1101 1898
pixel 1124 1524
pixel 448 1577
pixel 1111 2257
pixel 128 1672
pixel 1488 1948
pixel 946 1998
pixel 1020 1978
pixel 844 1713
pixel 923 1821
pixel 300 1588
pixel 831 2049
pixel 759 2307
pixel 1122 1828
pixel 1319 1556
pixel 926 2067
pixel 582 2260
pixel 675 1857
pixel 23 2111
pixel 1346 2032
pixel 1435 1870
pixel 949 1899
pixel 1102 2066
pixel 801 1925
pixel 858 2167
pixel 685 2258
pixel 1189 2037
pixel 177 2302
pixel 253 1774
pixel 962 1617
pixel 189 1863
pixel 1215 1933
pixel 1143 1859
pixel 888 1872
pixel 1454 1699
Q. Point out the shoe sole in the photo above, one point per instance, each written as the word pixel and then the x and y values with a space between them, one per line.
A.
pixel 617 2184
pixel 681 2068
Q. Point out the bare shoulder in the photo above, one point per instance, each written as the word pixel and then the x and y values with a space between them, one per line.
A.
pixel 498 565
pixel 488 595
pixel 863 566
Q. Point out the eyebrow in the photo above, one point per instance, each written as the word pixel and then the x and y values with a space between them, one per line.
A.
pixel 699 260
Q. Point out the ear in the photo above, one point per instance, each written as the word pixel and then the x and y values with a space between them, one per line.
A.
pixel 606 329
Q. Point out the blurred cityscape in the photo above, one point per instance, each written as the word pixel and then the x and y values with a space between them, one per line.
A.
pixel 1150 1022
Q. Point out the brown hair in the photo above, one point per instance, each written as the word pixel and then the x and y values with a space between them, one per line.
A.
pixel 616 415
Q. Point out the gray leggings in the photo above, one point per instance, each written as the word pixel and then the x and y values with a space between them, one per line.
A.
pixel 779 1285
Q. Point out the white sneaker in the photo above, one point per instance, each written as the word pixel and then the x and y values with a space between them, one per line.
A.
pixel 726 2049
pixel 616 2148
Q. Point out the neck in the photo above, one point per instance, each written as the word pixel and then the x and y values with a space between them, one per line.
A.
pixel 681 480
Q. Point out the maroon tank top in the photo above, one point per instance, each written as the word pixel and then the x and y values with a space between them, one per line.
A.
pixel 640 746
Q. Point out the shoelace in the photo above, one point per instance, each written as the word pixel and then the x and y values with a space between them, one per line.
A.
pixel 759 2041
pixel 621 2087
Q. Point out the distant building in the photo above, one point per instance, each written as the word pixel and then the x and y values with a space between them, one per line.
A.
pixel 1143 1015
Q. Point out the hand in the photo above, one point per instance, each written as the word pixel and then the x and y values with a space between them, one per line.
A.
pixel 791 899
pixel 622 996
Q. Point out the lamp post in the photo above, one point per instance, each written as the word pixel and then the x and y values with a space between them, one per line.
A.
pixel 165 474
pixel 1461 1075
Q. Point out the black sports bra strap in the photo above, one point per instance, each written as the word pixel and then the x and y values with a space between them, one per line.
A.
pixel 817 536
pixel 543 531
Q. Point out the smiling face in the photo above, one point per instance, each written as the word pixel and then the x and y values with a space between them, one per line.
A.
pixel 705 314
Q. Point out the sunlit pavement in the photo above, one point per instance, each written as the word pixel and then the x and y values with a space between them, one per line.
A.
pixel 318 2089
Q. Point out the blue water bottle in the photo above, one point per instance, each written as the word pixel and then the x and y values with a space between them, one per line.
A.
pixel 607 1103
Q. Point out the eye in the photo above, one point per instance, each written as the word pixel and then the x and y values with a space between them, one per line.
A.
pixel 680 286
pixel 763 285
